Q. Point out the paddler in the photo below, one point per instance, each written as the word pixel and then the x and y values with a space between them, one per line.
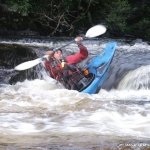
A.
pixel 59 67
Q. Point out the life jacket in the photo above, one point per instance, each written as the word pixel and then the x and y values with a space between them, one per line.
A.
pixel 54 67
pixel 61 71
pixel 69 75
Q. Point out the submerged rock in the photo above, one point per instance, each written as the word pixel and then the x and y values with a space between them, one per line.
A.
pixel 12 55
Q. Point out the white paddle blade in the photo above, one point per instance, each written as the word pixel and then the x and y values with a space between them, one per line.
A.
pixel 28 64
pixel 95 31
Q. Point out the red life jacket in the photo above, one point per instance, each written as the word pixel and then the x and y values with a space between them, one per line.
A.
pixel 54 67
pixel 69 76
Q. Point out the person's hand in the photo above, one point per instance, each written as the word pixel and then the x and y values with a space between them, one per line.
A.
pixel 78 39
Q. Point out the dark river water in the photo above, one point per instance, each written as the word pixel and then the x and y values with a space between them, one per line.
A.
pixel 37 113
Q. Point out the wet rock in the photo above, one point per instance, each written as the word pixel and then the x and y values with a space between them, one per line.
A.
pixel 12 55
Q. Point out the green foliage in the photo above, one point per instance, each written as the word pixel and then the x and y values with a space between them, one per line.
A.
pixel 118 13
pixel 139 21
pixel 20 6
pixel 142 28
pixel 70 17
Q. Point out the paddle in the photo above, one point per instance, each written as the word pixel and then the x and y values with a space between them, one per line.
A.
pixel 92 32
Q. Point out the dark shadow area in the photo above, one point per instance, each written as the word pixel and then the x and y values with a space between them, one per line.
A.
pixel 10 56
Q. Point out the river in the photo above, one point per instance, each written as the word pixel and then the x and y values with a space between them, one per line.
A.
pixel 39 114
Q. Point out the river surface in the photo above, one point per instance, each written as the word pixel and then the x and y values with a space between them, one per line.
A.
pixel 39 114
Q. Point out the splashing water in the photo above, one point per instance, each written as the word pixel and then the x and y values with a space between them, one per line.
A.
pixel 137 79
pixel 42 113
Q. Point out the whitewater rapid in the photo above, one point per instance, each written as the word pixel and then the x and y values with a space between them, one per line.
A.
pixel 41 111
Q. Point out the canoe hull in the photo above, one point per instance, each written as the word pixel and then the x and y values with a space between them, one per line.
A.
pixel 99 66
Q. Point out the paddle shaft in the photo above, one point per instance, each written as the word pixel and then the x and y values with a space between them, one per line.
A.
pixel 92 32
pixel 55 49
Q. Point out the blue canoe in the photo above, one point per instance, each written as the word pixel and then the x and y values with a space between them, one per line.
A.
pixel 98 68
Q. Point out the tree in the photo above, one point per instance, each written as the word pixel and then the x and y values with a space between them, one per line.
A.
pixel 117 16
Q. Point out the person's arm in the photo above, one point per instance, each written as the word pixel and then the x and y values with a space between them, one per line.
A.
pixel 83 50
pixel 79 56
